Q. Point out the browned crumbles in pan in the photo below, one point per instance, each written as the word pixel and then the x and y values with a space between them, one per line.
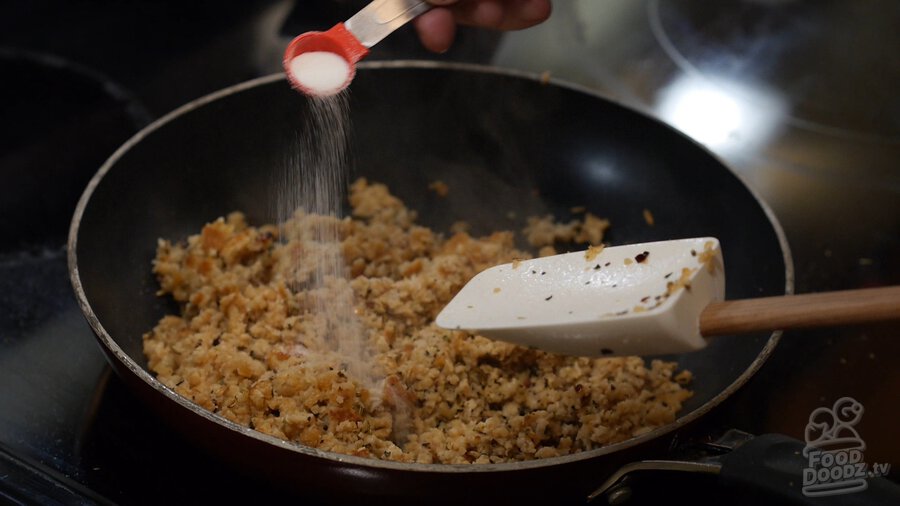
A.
pixel 253 345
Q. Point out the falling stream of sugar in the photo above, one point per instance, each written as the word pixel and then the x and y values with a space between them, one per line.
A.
pixel 315 182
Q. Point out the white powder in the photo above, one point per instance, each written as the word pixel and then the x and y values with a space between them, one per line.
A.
pixel 320 72
pixel 313 181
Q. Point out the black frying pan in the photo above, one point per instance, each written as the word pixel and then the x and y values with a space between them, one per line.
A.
pixel 502 142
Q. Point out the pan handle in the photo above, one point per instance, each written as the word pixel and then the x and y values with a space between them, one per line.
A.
pixel 782 467
pixel 775 467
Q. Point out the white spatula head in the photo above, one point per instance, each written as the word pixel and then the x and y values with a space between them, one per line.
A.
pixel 639 299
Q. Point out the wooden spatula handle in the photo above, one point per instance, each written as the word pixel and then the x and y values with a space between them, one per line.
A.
pixel 800 311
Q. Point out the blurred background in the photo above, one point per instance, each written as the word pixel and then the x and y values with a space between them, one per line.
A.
pixel 798 97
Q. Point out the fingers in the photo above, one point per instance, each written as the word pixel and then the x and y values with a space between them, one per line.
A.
pixel 437 27
pixel 501 14
pixel 531 12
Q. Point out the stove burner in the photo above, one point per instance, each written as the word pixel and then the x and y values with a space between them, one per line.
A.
pixel 840 82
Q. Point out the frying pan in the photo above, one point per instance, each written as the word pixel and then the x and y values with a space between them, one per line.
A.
pixel 502 141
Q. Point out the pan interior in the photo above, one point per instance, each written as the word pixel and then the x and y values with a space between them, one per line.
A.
pixel 508 147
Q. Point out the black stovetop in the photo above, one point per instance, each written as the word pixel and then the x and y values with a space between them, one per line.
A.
pixel 80 79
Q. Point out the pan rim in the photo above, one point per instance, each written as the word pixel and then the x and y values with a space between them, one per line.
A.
pixel 112 347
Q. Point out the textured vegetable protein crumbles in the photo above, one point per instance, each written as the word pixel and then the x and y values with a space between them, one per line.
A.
pixel 250 346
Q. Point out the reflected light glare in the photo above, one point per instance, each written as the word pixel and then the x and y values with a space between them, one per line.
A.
pixel 603 171
pixel 707 115
pixel 720 114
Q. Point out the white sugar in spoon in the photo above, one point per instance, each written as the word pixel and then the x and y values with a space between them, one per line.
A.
pixel 321 64
pixel 641 299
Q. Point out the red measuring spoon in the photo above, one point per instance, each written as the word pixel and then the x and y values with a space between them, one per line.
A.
pixel 352 39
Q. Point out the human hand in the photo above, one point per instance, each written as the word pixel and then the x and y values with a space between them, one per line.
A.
pixel 437 27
